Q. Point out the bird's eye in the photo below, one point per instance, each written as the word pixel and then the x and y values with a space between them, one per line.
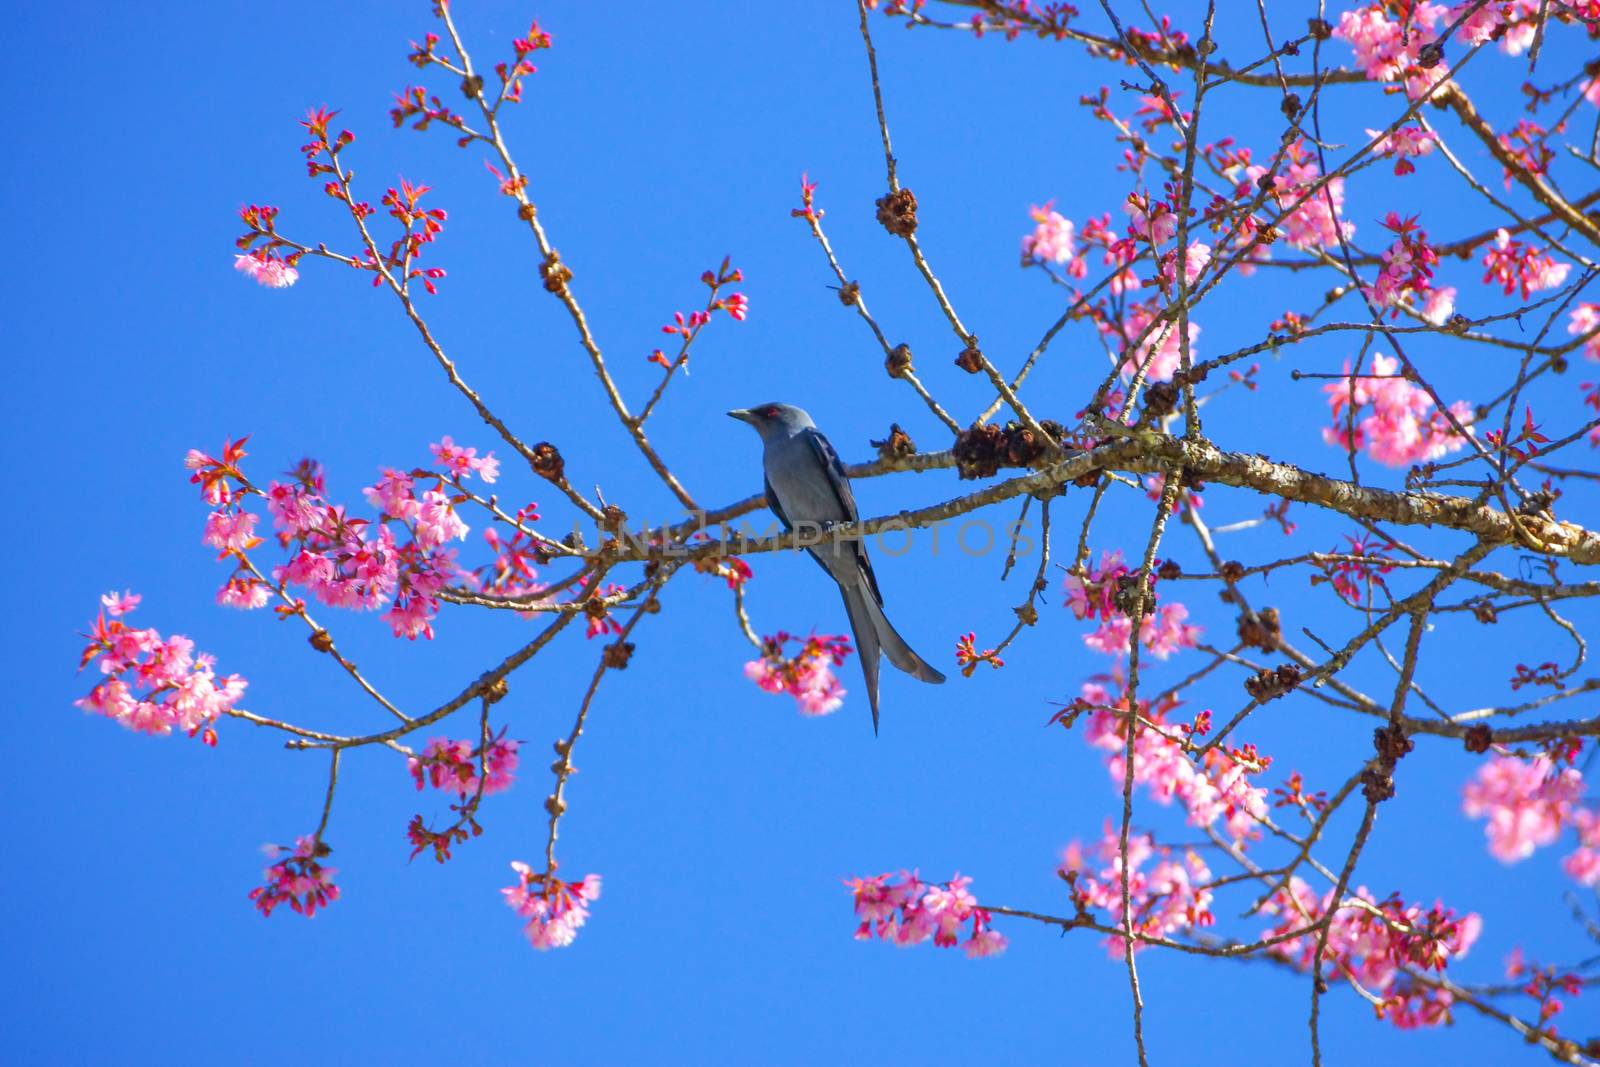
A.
pixel 770 412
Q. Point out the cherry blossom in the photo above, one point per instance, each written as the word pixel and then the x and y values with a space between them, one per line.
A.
pixel 1163 630
pixel 554 909
pixel 1052 240
pixel 298 879
pixel 1584 321
pixel 1526 802
pixel 1389 50
pixel 1372 942
pixel 1220 789
pixel 453 766
pixel 268 271
pixel 1311 206
pixel 1169 897
pixel 463 462
pixel 904 910
pixel 807 675
pixel 1160 348
pixel 181 689
pixel 1395 421
pixel 119 604
pixel 1521 268
pixel 1405 144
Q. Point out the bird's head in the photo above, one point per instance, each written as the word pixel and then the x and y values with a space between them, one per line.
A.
pixel 774 420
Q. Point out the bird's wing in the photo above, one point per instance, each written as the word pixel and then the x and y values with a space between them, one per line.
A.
pixel 777 508
pixel 833 470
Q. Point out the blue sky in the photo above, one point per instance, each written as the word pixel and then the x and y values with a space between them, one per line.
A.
pixel 721 821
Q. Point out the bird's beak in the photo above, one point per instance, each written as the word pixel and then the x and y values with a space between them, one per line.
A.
pixel 743 415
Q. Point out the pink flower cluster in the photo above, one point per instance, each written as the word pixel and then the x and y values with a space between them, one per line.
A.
pixel 1171 897
pixel 181 689
pixel 1527 803
pixel 1311 208
pixel 1542 984
pixel 267 270
pixel 554 909
pixel 453 766
pixel 1052 241
pixel 1407 273
pixel 1584 320
pixel 1195 259
pixel 807 675
pixel 1388 49
pixel 462 463
pixel 1518 16
pixel 1163 630
pixel 514 571
pixel 1405 144
pixel 904 910
pixel 1220 788
pixel 346 562
pixel 1161 348
pixel 1521 268
pixel 297 878
pixel 1395 421
pixel 1371 942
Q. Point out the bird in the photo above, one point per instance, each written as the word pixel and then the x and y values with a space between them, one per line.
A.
pixel 806 484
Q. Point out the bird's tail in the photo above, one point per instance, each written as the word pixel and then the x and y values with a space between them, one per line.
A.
pixel 895 647
pixel 863 628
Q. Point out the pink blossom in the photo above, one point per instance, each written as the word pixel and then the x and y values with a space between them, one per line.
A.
pixel 1439 304
pixel 807 675
pixel 461 462
pixel 1094 596
pixel 453 766
pixel 295 509
pixel 297 879
pixel 1155 223
pixel 350 567
pixel 437 521
pixel 1218 789
pixel 1371 940
pixel 1164 630
pixel 245 592
pixel 737 305
pixel 1388 50
pixel 1311 208
pixel 1584 320
pixel 1526 802
pixel 1395 421
pixel 904 911
pixel 1161 347
pixel 1583 864
pixel 1195 259
pixel 411 616
pixel 267 270
pixel 1051 240
pixel 1519 267
pixel 1479 27
pixel 393 495
pixel 119 604
pixel 181 689
pixel 554 909
pixel 231 531
pixel 1405 144
pixel 1407 264
pixel 1170 897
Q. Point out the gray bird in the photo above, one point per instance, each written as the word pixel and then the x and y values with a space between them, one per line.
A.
pixel 806 484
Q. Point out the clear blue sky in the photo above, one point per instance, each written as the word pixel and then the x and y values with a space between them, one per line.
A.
pixel 657 142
